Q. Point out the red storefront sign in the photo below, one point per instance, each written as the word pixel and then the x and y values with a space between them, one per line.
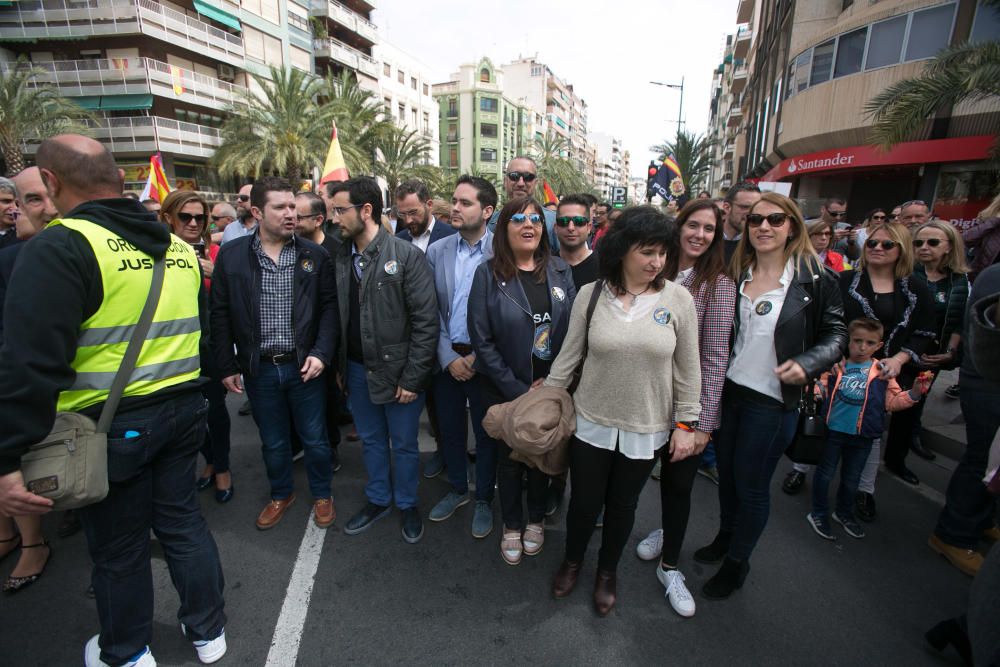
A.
pixel 958 149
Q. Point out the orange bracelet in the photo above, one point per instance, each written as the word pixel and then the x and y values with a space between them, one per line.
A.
pixel 684 427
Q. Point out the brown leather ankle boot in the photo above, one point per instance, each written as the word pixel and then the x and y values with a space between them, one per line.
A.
pixel 565 579
pixel 605 591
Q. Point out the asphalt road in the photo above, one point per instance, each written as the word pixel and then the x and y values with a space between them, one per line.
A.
pixel 451 599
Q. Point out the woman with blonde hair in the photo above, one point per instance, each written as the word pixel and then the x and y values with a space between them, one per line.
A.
pixel 788 328
pixel 984 238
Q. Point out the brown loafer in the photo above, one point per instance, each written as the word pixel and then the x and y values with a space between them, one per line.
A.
pixel 565 579
pixel 324 512
pixel 272 514
pixel 605 592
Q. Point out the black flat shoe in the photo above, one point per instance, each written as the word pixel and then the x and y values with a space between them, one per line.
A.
pixel 12 584
pixel 223 496
pixel 203 483
pixel 728 579
pixel 918 448
pixel 793 482
pixel 950 632
pixel 904 474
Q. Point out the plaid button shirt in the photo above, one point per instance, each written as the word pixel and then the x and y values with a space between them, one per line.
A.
pixel 277 284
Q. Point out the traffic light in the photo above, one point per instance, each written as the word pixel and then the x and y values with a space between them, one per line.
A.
pixel 650 177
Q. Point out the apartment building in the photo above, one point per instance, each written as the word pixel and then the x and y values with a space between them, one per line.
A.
pixel 159 75
pixel 482 125
pixel 404 86
pixel 612 169
pixel 811 67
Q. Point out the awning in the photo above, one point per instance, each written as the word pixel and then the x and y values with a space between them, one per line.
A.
pixel 216 14
pixel 92 102
pixel 126 102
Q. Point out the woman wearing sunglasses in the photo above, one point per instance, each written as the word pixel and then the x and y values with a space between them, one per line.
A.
pixel 519 310
pixel 876 216
pixel 821 235
pixel 186 214
pixel 698 265
pixel 883 288
pixel 941 267
pixel 788 328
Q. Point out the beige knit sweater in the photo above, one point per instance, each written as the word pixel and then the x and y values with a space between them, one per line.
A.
pixel 639 376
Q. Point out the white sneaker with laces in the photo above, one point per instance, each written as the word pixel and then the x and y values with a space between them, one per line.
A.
pixel 92 656
pixel 652 546
pixel 211 650
pixel 678 594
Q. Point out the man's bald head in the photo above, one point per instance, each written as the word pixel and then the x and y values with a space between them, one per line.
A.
pixel 77 169
pixel 37 210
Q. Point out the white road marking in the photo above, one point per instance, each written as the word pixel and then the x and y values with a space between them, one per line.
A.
pixel 291 622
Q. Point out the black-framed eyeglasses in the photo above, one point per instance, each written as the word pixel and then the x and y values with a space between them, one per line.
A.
pixel 933 243
pixel 243 197
pixel 185 218
pixel 341 210
pixel 879 217
pixel 838 214
pixel 577 220
pixel 886 244
pixel 518 219
pixel 515 176
pixel 773 219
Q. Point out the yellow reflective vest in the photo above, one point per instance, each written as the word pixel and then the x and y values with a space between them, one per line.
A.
pixel 169 355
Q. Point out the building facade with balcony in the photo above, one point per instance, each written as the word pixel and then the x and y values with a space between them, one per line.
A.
pixel 405 90
pixel 481 125
pixel 344 38
pixel 611 170
pixel 811 69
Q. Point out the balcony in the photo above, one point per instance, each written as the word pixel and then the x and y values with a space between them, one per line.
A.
pixel 147 134
pixel 744 11
pixel 739 78
pixel 727 151
pixel 129 76
pixel 75 19
pixel 334 49
pixel 734 116
pixel 742 46
pixel 367 65
pixel 346 17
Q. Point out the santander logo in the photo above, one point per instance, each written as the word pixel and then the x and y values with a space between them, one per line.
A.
pixel 792 168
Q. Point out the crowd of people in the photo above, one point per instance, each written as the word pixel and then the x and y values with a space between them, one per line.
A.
pixel 659 344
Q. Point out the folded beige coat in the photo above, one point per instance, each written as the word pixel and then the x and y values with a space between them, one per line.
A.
pixel 537 426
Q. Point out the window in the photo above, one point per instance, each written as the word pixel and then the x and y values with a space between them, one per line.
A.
pixel 427 89
pixel 489 104
pixel 427 121
pixel 386 69
pixel 536 70
pixel 402 112
pixel 487 155
pixel 488 130
pixel 930 30
pixel 850 52
pixel 484 75
pixel 802 69
pixel 886 43
pixel 452 107
pixel 413 119
pixel 400 76
pixel 413 82
pixel 453 158
pixel 822 59
pixel 986 25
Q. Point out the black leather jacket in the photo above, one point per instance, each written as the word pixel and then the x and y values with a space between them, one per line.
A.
pixel 502 329
pixel 235 306
pixel 399 315
pixel 810 329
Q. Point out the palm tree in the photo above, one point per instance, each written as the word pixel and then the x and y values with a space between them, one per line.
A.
pixel 966 72
pixel 693 154
pixel 551 153
pixel 31 110
pixel 402 153
pixel 278 129
pixel 360 119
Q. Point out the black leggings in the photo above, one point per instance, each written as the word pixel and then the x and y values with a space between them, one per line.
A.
pixel 676 482
pixel 602 478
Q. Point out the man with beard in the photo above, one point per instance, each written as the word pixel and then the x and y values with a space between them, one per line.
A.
pixel 245 223
pixel 453 262
pixel 419 227
pixel 739 200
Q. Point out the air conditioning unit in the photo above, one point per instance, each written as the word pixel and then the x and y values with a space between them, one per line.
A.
pixel 227 73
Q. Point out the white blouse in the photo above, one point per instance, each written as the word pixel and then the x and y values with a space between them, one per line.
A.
pixel 753 359
pixel 631 445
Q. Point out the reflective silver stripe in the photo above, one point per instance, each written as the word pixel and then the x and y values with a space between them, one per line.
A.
pixel 101 381
pixel 122 334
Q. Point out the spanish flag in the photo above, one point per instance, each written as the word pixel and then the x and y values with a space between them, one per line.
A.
pixel 669 182
pixel 550 196
pixel 157 188
pixel 334 169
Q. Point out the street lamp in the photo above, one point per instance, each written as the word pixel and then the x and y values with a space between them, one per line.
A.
pixel 680 86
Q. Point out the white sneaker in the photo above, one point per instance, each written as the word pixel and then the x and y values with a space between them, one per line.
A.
pixel 92 656
pixel 211 650
pixel 652 546
pixel 678 594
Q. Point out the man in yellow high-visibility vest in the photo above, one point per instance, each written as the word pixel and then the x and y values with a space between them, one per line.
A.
pixel 75 295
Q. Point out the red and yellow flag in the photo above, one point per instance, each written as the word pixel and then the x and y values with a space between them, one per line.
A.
pixel 157 187
pixel 550 196
pixel 334 169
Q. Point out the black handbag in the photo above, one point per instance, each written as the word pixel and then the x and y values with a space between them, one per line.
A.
pixel 810 436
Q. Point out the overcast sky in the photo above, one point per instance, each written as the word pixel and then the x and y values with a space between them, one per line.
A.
pixel 608 51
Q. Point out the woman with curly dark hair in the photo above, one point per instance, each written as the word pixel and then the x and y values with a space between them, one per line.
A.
pixel 639 390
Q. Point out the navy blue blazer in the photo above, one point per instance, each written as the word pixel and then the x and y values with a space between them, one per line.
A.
pixel 502 328
pixel 442 229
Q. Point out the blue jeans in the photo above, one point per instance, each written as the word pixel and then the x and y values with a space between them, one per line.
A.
pixel 152 487
pixel 708 459
pixel 450 396
pixel 969 507
pixel 377 425
pixel 755 432
pixel 854 450
pixel 280 400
